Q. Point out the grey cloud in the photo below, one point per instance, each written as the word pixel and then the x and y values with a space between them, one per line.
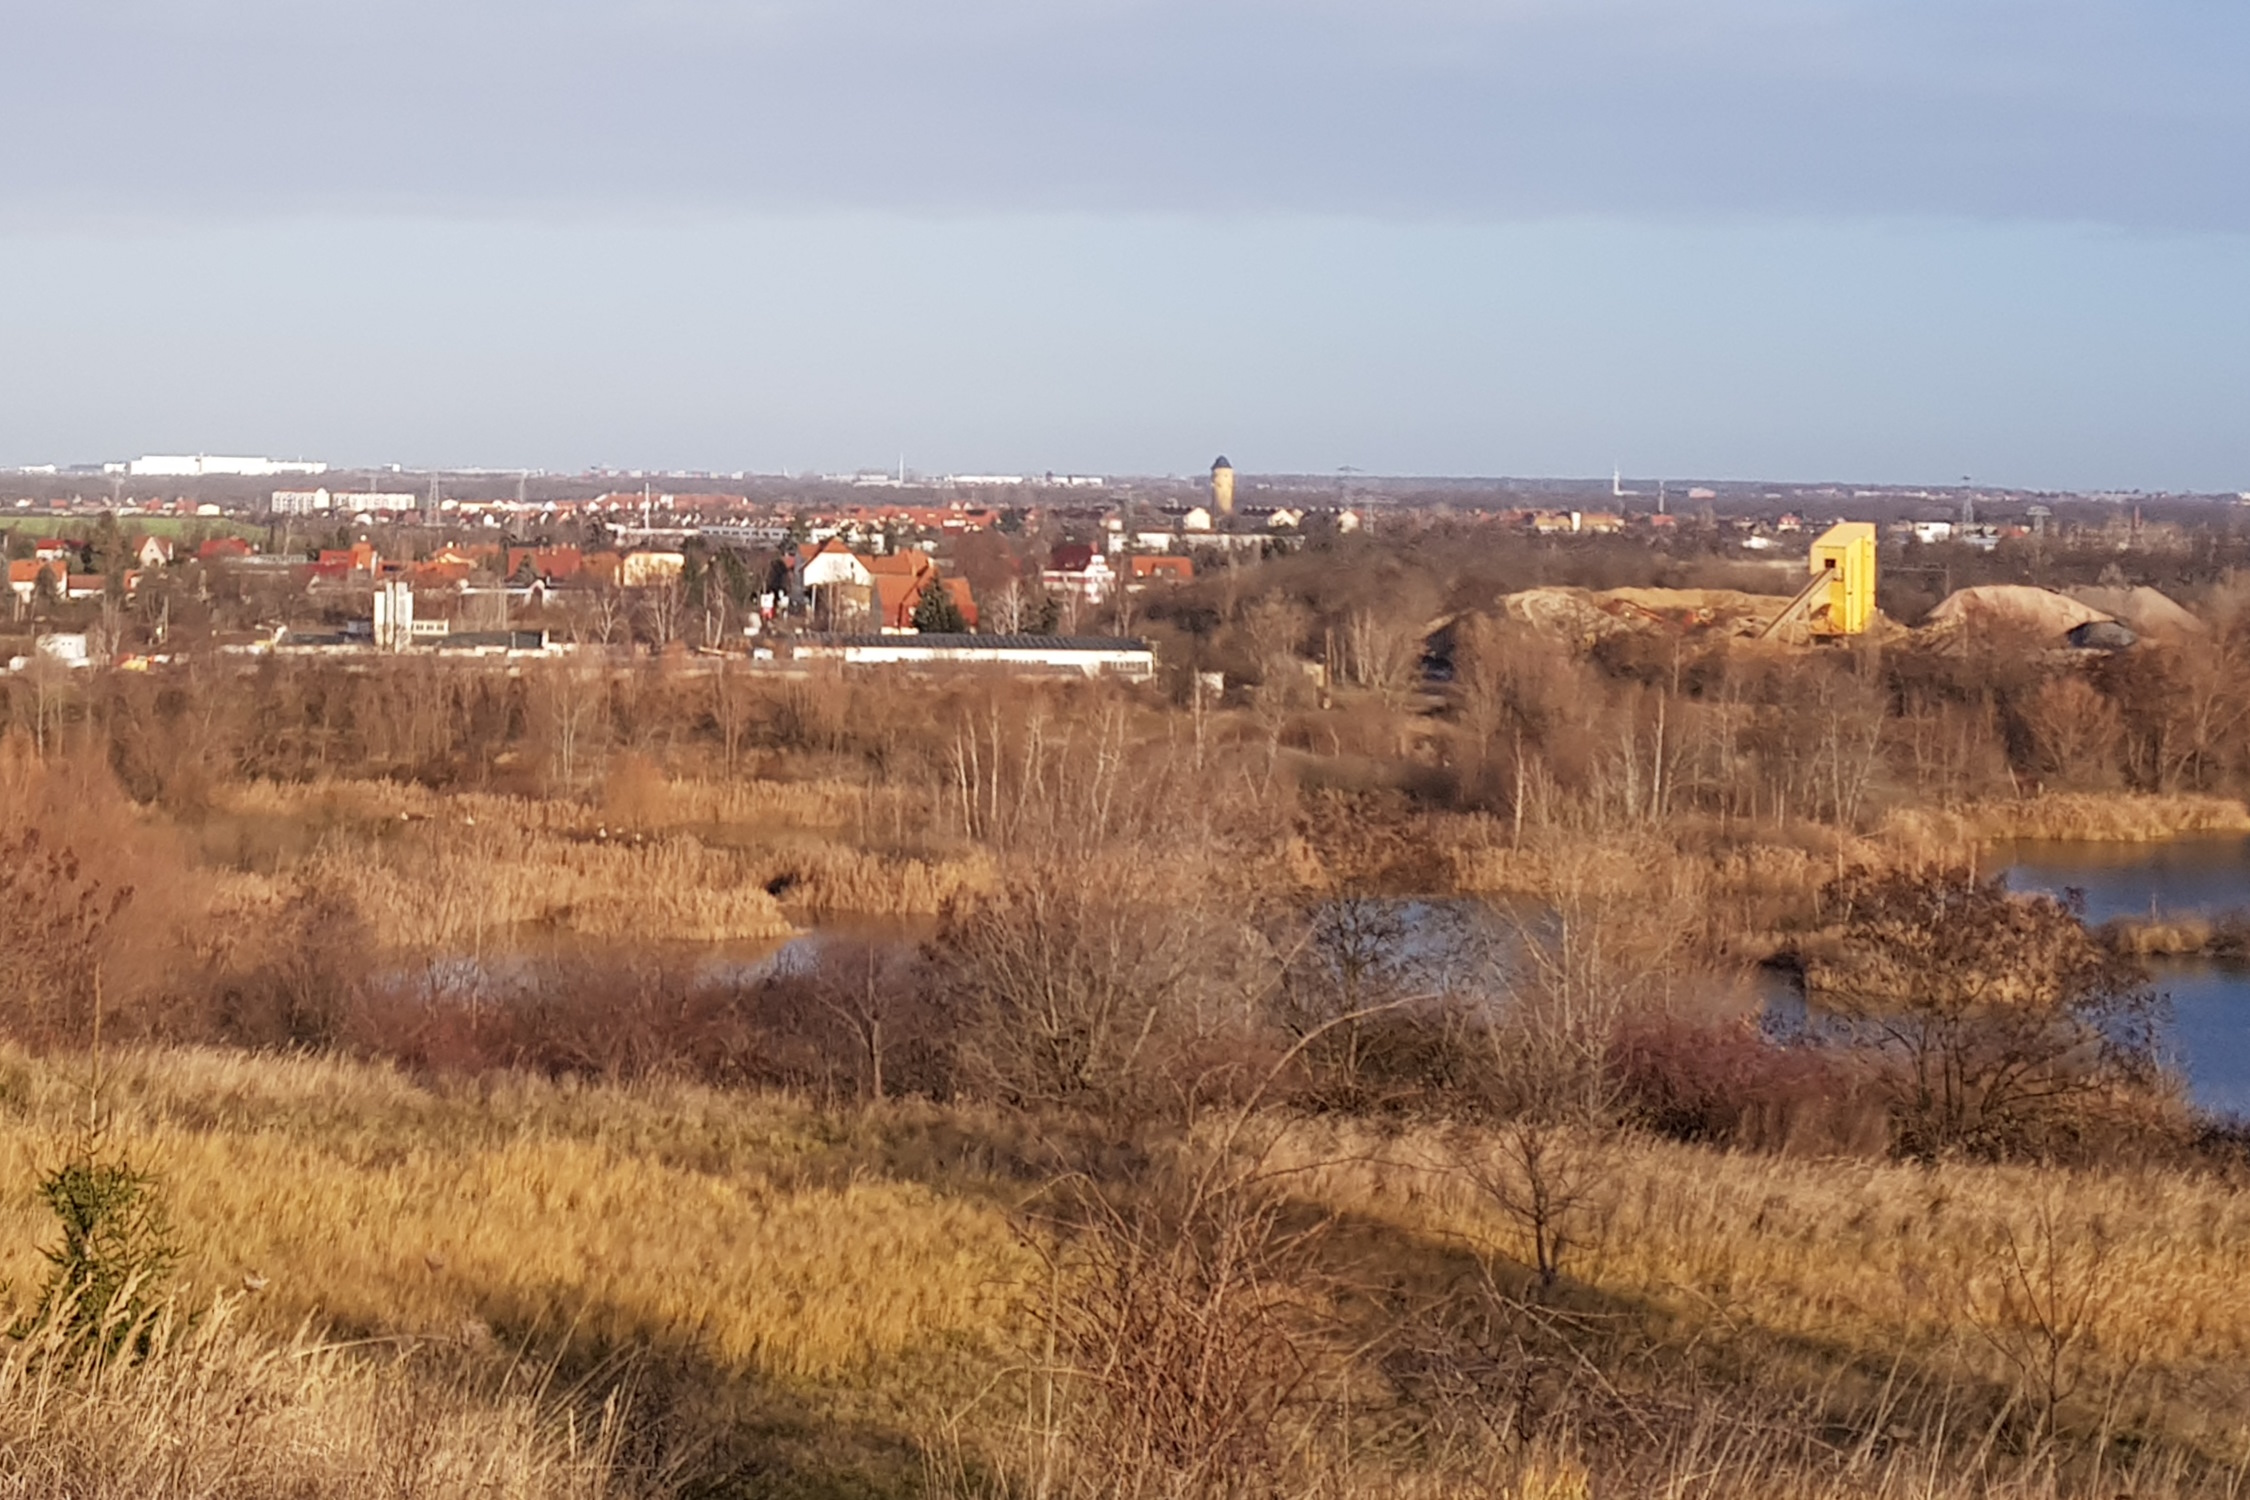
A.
pixel 2077 109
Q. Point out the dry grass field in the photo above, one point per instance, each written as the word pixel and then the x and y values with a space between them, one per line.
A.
pixel 954 1218
pixel 779 1299
pixel 654 861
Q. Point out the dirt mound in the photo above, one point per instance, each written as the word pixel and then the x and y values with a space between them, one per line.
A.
pixel 2150 612
pixel 1585 616
pixel 2014 606
pixel 1703 606
pixel 1570 615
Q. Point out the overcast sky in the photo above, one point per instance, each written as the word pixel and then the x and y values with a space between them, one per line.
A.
pixel 1895 240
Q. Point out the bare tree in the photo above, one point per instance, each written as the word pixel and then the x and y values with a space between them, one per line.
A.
pixel 732 706
pixel 597 613
pixel 1993 1011
pixel 2077 731
pixel 1383 653
pixel 870 990
pixel 573 697
pixel 663 611
pixel 1005 609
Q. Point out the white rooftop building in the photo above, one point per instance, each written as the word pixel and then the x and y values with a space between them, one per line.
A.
pixel 206 465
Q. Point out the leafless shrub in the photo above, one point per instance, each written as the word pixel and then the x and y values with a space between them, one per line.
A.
pixel 1180 1322
pixel 2036 1302
pixel 861 1011
pixel 1088 984
pixel 1537 1177
pixel 2002 1023
pixel 57 921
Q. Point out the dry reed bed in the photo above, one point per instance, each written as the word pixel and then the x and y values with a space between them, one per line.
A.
pixel 633 798
pixel 1864 1258
pixel 2225 936
pixel 1485 859
pixel 444 871
pixel 2110 817
pixel 671 1217
pixel 823 877
pixel 217 1409
pixel 469 887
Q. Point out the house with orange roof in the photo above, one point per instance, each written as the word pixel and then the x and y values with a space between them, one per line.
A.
pixel 546 564
pixel 1141 571
pixel 24 574
pixel 470 558
pixel 899 595
pixel 359 561
pixel 93 585
pixel 832 563
pixel 440 572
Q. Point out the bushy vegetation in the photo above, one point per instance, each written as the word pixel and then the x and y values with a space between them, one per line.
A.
pixel 1340 1084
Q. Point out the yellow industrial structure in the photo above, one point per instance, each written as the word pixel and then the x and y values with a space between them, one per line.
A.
pixel 1839 599
pixel 1222 486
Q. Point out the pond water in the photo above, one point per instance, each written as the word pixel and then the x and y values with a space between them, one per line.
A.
pixel 516 967
pixel 2200 876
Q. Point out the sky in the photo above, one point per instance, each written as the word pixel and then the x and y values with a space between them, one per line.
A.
pixel 1870 240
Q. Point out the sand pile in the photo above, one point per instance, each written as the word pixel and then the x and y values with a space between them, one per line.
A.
pixel 2149 612
pixel 2013 606
pixel 1570 615
pixel 1585 616
pixel 1704 606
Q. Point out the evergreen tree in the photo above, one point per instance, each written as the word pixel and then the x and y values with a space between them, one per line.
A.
pixel 936 613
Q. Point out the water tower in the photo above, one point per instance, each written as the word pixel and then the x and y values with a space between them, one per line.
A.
pixel 1222 486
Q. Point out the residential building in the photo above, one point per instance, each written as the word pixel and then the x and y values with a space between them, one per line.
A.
pixel 1078 571
pixel 832 563
pixel 223 549
pixel 545 564
pixel 648 569
pixel 1140 571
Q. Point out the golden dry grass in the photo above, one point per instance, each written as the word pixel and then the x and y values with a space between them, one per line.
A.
pixel 634 799
pixel 218 1409
pixel 676 863
pixel 758 1240
pixel 1802 1265
pixel 455 888
pixel 668 1216
pixel 2162 939
pixel 2113 817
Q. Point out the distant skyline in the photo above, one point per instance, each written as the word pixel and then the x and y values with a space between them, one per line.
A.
pixel 1895 242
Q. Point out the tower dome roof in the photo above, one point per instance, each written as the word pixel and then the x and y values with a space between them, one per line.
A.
pixel 1220 463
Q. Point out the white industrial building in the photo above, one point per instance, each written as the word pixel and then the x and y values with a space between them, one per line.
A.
pixel 1090 656
pixel 208 465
